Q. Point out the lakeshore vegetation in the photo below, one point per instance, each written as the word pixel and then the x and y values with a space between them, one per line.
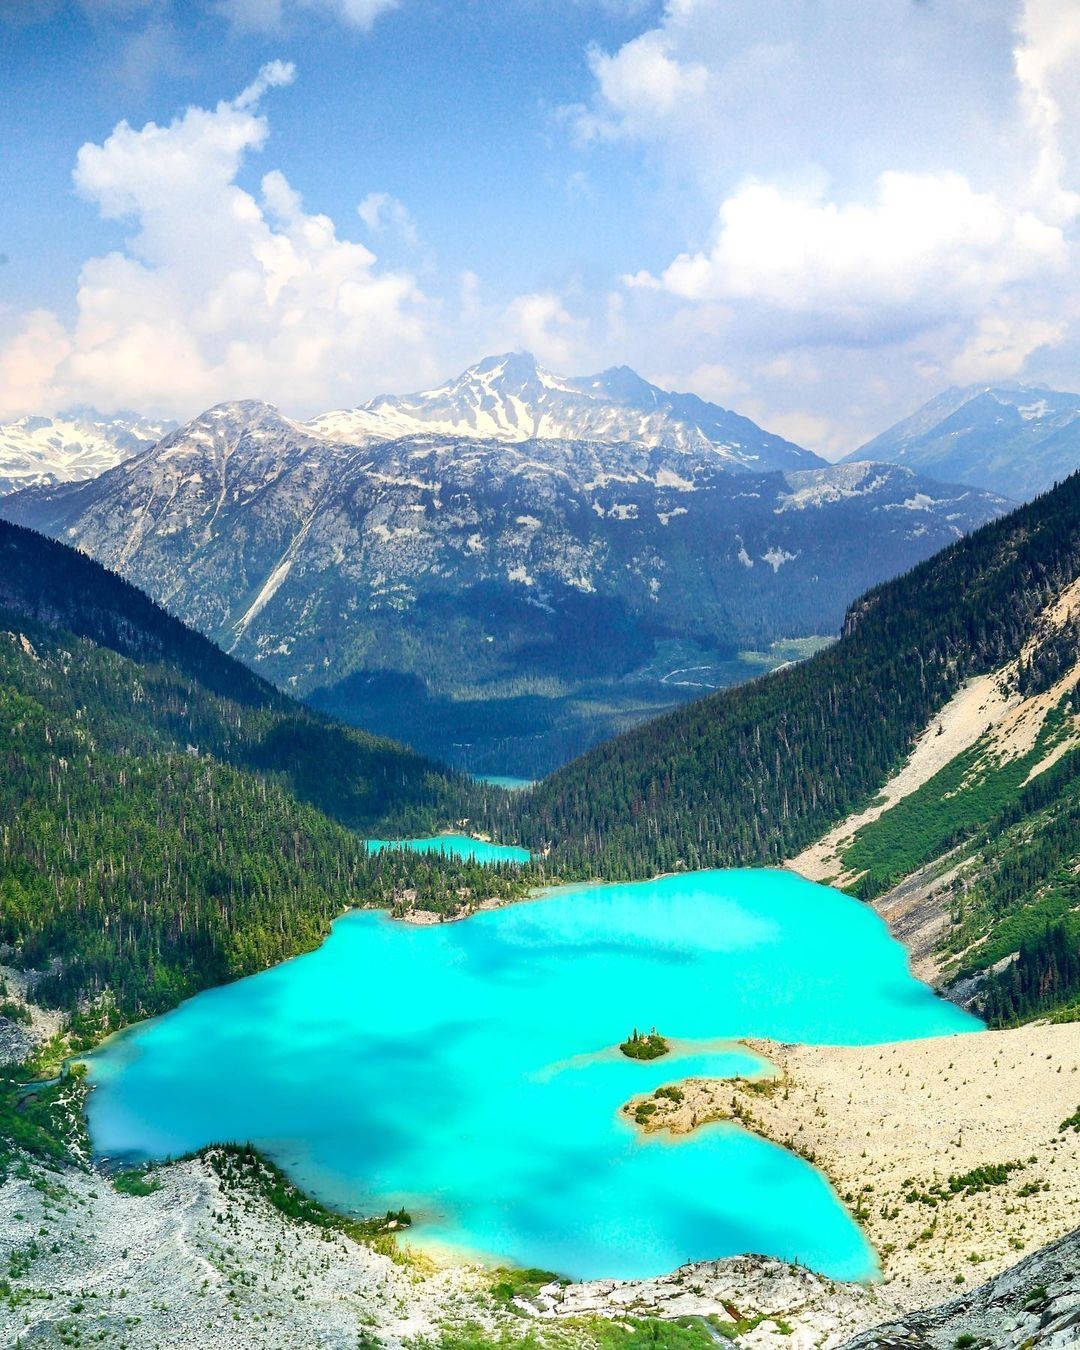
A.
pixel 171 821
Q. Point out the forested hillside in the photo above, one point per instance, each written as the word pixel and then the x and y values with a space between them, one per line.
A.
pixel 752 774
pixel 169 820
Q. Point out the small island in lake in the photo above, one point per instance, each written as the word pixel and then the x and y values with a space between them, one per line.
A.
pixel 651 1046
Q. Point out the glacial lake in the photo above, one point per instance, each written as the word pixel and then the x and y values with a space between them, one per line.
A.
pixel 467 1070
pixel 456 846
pixel 505 781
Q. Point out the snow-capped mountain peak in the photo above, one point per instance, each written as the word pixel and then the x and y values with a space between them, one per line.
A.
pixel 71 447
pixel 511 397
pixel 1014 439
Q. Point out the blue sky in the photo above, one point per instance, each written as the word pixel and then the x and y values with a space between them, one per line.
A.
pixel 451 107
pixel 820 212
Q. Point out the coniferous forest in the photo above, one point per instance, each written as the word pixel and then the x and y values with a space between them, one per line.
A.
pixel 169 820
pixel 753 774
pixel 172 821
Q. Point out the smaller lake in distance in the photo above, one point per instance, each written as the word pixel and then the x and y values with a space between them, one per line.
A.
pixel 456 846
pixel 505 781
pixel 467 1070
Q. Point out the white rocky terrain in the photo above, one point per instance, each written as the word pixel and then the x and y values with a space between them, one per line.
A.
pixel 209 1264
pixel 45 451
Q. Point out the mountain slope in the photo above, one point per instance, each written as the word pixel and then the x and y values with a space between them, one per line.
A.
pixel 512 398
pixel 1017 440
pixel 45 451
pixel 414 581
pixel 755 774
pixel 170 820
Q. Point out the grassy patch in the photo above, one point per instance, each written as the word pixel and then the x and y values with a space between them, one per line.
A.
pixel 40 1118
pixel 136 1181
pixel 950 807
pixel 581 1333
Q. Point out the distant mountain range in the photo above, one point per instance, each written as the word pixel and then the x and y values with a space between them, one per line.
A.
pixel 44 451
pixel 386 570
pixel 1017 440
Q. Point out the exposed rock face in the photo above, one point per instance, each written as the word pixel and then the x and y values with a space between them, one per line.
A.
pixel 1034 1305
pixel 512 398
pixel 783 1307
pixel 459 559
pixel 1014 439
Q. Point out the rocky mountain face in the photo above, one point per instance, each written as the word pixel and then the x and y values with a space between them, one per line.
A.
pixel 1034 1305
pixel 453 562
pixel 512 398
pixel 1014 439
pixel 45 451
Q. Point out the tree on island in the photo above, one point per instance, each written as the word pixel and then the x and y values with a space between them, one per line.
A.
pixel 651 1046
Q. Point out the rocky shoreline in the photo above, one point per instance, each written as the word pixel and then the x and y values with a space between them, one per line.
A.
pixel 195 1262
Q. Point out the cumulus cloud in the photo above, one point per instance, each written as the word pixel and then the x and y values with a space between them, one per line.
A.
pixel 542 324
pixel 892 187
pixel 217 292
pixel 640 83
pixel 925 246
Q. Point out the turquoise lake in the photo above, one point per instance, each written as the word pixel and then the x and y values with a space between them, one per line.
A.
pixel 467 1070
pixel 457 846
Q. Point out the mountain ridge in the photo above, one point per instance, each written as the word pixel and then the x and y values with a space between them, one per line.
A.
pixel 534 567
pixel 71 447
pixel 512 397
pixel 1014 439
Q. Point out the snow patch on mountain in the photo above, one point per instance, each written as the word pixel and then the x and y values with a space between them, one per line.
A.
pixel 512 398
pixel 777 557
pixel 72 447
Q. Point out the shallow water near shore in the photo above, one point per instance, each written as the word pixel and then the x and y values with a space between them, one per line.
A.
pixel 466 1070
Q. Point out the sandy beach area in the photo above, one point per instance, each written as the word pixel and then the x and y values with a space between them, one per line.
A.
pixel 948 1151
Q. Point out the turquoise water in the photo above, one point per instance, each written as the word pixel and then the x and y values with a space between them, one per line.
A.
pixel 465 1070
pixel 505 781
pixel 458 846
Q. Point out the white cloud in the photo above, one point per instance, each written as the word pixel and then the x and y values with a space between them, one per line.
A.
pixel 381 212
pixel 892 191
pixel 924 247
pixel 29 356
pixel 641 82
pixel 1001 344
pixel 217 293
pixel 541 323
